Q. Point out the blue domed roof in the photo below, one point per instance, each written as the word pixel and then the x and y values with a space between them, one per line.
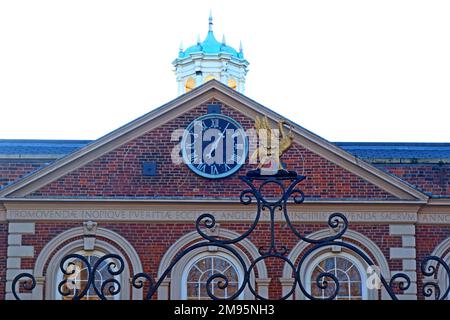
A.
pixel 210 46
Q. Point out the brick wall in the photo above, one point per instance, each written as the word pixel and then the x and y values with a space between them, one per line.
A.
pixel 152 240
pixel 13 169
pixel 119 173
pixel 430 178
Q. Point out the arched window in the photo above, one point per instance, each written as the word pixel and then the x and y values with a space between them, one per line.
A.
pixel 200 269
pixel 232 83
pixel 75 283
pixel 47 263
pixel 349 272
pixel 190 84
pixel 175 286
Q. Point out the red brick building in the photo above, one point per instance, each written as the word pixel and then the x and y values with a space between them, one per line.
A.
pixel 128 193
pixel 94 197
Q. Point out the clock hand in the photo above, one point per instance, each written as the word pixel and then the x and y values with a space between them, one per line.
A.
pixel 216 142
pixel 214 147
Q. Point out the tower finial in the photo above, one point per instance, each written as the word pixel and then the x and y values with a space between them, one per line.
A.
pixel 198 39
pixel 223 40
pixel 180 51
pixel 210 28
pixel 241 50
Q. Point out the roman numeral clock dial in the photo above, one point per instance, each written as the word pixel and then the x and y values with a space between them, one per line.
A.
pixel 214 146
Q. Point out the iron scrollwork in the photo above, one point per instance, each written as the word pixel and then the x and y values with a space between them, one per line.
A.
pixel 429 268
pixel 71 265
pixel 271 195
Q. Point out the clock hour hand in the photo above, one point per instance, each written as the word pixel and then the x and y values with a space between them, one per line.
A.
pixel 216 142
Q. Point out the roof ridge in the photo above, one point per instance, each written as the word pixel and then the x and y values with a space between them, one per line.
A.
pixel 45 140
pixel 380 143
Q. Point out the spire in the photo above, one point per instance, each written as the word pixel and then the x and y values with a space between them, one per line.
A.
pixel 241 50
pixel 210 28
pixel 198 39
pixel 223 40
pixel 180 51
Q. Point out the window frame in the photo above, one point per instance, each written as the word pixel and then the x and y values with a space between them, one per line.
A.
pixel 323 256
pixel 234 263
pixel 60 276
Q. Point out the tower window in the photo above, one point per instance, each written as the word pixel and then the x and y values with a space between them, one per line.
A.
pixel 190 84
pixel 232 83
pixel 209 77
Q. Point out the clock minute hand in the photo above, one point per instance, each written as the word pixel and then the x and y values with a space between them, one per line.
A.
pixel 216 142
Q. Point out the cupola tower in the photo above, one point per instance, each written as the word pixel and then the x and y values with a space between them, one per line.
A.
pixel 210 59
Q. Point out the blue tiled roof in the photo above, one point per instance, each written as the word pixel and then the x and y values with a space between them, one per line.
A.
pixel 54 148
pixel 394 150
pixel 365 150
pixel 210 46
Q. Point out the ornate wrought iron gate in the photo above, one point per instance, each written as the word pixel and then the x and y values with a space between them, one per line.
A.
pixel 271 194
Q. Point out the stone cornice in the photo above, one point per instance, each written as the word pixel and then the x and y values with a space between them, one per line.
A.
pixel 439 202
pixel 201 201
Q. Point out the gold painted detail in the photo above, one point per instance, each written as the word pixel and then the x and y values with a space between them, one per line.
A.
pixel 190 84
pixel 272 143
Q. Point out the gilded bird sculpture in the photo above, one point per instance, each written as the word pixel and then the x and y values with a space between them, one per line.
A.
pixel 271 144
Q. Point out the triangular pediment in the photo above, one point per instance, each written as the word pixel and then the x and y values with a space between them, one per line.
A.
pixel 110 167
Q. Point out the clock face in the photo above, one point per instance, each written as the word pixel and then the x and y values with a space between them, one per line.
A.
pixel 214 146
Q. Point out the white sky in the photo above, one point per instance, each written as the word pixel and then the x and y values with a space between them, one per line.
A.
pixel 346 70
